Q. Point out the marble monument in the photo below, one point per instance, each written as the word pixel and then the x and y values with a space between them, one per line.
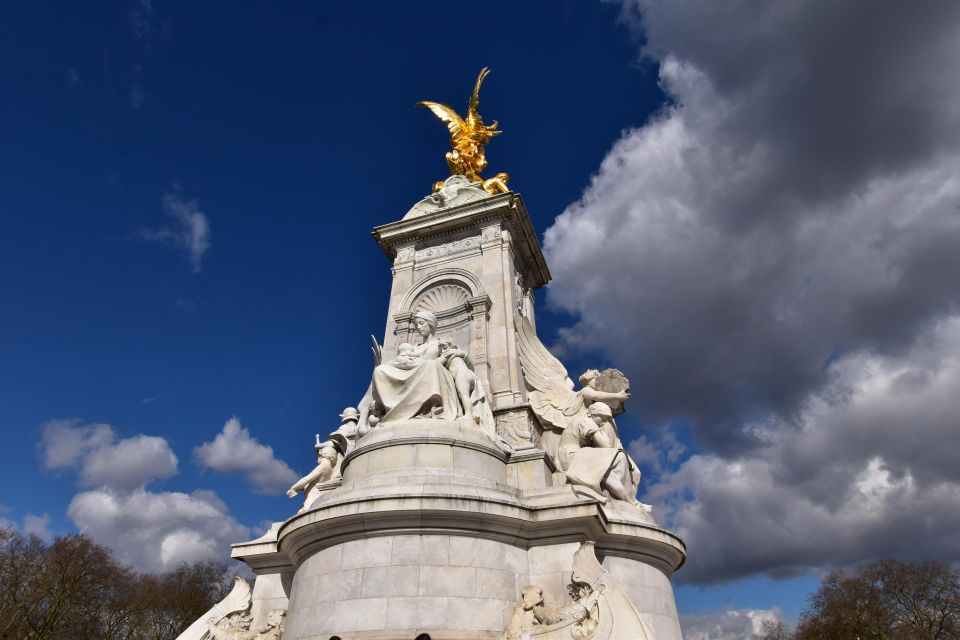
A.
pixel 473 491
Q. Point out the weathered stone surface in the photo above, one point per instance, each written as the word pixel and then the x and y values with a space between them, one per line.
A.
pixel 432 525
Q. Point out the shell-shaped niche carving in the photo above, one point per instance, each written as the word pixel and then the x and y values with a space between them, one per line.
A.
pixel 441 297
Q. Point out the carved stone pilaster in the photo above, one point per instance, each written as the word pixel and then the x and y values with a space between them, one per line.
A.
pixel 403 327
pixel 479 306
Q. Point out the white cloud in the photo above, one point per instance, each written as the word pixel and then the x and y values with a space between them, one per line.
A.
pixel 102 459
pixel 64 443
pixel 151 530
pixel 34 525
pixel 773 260
pixel 157 531
pixel 191 233
pixel 129 464
pixel 234 450
pixel 732 624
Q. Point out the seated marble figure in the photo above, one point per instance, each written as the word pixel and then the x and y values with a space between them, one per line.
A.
pixel 431 380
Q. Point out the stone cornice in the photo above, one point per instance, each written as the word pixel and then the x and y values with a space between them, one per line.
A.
pixel 506 208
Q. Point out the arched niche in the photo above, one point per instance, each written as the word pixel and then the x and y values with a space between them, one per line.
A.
pixel 458 300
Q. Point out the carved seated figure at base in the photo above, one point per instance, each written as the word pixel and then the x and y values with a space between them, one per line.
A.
pixel 593 458
pixel 417 383
pixel 433 380
pixel 599 610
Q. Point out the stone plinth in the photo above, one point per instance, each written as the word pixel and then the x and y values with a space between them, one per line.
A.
pixel 434 529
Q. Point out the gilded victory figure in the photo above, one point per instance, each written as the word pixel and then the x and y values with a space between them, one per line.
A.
pixel 468 137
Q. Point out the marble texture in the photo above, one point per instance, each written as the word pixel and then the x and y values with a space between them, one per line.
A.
pixel 429 524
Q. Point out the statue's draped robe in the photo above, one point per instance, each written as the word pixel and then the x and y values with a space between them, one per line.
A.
pixel 418 387
pixel 588 465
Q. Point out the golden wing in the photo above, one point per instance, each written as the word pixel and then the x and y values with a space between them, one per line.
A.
pixel 472 109
pixel 455 123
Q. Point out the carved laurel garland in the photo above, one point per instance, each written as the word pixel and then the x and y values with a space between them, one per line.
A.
pixel 441 297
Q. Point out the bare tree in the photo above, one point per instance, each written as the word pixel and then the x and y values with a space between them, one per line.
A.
pixel 886 600
pixel 75 588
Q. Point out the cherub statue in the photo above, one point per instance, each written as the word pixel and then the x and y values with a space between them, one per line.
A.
pixel 579 431
pixel 468 137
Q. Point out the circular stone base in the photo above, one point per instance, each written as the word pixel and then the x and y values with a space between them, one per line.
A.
pixel 431 532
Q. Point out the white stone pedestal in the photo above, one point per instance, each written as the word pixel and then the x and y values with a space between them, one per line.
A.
pixel 435 530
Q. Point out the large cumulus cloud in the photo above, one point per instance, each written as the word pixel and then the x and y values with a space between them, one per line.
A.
pixel 234 450
pixel 150 530
pixel 774 259
pixel 156 531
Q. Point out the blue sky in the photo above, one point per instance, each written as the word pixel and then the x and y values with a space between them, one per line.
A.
pixel 187 193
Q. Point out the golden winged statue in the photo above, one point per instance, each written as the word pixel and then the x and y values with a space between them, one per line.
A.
pixel 468 137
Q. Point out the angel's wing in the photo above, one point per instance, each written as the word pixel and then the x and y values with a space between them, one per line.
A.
pixel 550 396
pixel 454 122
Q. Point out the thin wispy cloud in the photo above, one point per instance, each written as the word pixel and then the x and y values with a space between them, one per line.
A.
pixel 147 30
pixel 136 97
pixel 150 399
pixel 140 18
pixel 190 231
pixel 73 78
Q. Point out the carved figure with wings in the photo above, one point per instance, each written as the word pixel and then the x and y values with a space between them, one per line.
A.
pixel 468 137
pixel 551 393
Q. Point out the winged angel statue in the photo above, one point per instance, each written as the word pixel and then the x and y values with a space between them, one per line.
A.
pixel 468 137
pixel 579 431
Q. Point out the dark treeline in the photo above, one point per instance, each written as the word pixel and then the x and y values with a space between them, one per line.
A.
pixel 74 588
pixel 884 600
